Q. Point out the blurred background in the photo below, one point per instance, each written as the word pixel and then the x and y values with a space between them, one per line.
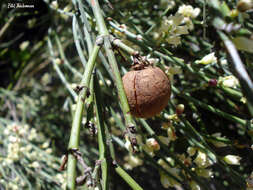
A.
pixel 206 129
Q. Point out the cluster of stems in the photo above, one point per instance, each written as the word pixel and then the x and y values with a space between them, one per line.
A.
pixel 110 63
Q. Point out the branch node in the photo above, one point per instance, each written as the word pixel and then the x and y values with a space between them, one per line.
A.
pixel 100 40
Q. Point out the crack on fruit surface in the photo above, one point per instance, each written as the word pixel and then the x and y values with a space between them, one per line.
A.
pixel 147 91
pixel 135 96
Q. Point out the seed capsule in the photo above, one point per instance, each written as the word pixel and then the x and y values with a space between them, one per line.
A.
pixel 244 5
pixel 147 90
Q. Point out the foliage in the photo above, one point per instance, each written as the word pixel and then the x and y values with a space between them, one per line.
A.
pixel 62 63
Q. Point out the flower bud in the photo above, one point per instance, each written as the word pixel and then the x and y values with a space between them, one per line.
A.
pixel 212 82
pixel 112 120
pixel 101 83
pixel 132 162
pixel 180 109
pixel 191 151
pixel 232 159
pixel 202 160
pixel 24 45
pixel 171 133
pixel 229 81
pixel 188 11
pixel 58 61
pixel 153 144
pixel 55 4
pixel 210 58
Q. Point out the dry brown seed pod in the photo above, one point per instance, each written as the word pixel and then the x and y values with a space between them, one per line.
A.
pixel 147 90
pixel 244 5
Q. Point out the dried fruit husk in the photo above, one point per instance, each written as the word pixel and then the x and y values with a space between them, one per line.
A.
pixel 148 91
pixel 244 5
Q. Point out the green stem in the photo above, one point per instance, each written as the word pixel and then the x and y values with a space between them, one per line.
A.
pixel 6 26
pixel 123 46
pixel 243 76
pixel 175 60
pixel 57 69
pixel 76 124
pixel 101 135
pixel 175 158
pixel 86 26
pixel 77 41
pixel 204 19
pixel 60 11
pixel 210 108
pixel 112 60
pixel 196 137
pixel 96 177
pixel 131 182
pixel 160 168
pixel 63 57
pixel 231 92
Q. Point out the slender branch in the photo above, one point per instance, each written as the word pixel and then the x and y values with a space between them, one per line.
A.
pixel 112 60
pixel 204 19
pixel 77 41
pixel 58 9
pixel 6 26
pixel 211 108
pixel 241 73
pixel 131 182
pixel 123 46
pixel 175 158
pixel 76 124
pixel 168 57
pixel 160 168
pixel 63 57
pixel 101 135
pixel 86 26
pixel 246 83
pixel 56 67
pixel 208 107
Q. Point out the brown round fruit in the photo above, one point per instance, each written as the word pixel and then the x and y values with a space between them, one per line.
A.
pixel 147 90
pixel 244 5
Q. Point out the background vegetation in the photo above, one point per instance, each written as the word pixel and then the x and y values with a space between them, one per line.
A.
pixel 202 140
